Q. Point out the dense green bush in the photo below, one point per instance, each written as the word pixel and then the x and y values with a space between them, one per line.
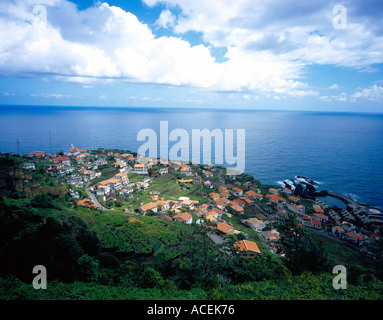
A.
pixel 94 255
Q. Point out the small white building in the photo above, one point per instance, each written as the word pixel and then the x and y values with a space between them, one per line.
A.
pixel 183 217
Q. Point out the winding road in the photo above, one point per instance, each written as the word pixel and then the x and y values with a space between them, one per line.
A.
pixel 94 199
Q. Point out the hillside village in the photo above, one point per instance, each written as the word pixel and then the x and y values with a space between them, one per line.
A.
pixel 192 193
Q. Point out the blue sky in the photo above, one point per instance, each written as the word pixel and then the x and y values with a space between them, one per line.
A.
pixel 248 54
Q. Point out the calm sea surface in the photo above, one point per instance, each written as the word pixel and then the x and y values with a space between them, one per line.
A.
pixel 344 152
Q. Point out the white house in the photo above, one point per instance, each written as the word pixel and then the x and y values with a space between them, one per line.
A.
pixel 188 204
pixel 30 166
pixel 208 184
pixel 163 171
pixel 140 168
pixel 183 217
pixel 148 206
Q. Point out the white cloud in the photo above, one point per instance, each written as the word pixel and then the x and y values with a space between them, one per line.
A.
pixel 151 99
pixel 373 93
pixel 334 87
pixel 51 95
pixel 342 97
pixel 167 19
pixel 104 43
pixel 266 51
pixel 297 30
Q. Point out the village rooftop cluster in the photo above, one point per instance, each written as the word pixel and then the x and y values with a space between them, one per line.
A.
pixel 212 197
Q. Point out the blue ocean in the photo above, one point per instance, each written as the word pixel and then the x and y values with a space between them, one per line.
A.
pixel 343 152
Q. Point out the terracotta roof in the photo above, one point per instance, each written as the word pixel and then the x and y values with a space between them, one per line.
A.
pixel 294 208
pixel 246 245
pixel 275 197
pixel 320 216
pixel 304 216
pixel 148 206
pixel 217 210
pixel 237 208
pixel 121 174
pixel 355 236
pixel 239 201
pixel 219 200
pixel 224 227
pixel 225 194
pixel 37 153
pixel 317 209
pixel 185 180
pixel 252 193
pixel 62 159
pixel 316 222
pixel 338 228
pixel 211 218
pixel 183 216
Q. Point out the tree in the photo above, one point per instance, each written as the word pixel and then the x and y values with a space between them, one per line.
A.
pixel 88 268
pixel 42 201
pixel 196 263
pixel 303 251
pixel 152 278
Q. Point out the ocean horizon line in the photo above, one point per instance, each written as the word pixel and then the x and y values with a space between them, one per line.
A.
pixel 206 109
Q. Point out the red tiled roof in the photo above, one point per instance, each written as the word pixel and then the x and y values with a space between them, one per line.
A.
pixel 183 216
pixel 224 227
pixel 320 216
pixel 275 197
pixel 245 245
pixel 355 236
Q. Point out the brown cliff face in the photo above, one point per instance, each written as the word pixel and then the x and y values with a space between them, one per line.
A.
pixel 15 179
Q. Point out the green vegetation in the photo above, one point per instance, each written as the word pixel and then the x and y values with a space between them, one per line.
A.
pixel 91 254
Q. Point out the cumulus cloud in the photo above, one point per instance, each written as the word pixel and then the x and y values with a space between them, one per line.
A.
pixel 167 19
pixel 299 30
pixel 342 97
pixel 266 52
pixel 373 93
pixel 106 43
